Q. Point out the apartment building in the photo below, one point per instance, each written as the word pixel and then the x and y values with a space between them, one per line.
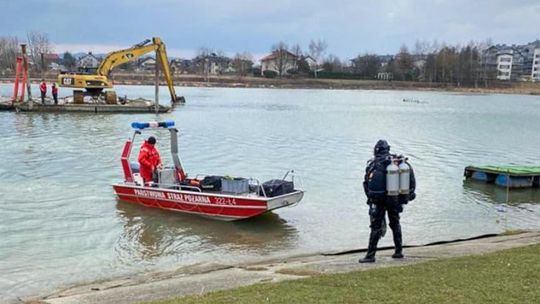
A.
pixel 535 71
pixel 504 65
pixel 515 62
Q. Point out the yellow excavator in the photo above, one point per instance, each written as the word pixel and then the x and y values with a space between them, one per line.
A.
pixel 95 83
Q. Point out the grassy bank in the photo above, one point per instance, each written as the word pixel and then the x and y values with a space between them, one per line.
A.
pixel 510 276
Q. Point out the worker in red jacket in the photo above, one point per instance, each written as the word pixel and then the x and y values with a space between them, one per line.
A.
pixel 149 159
pixel 54 91
pixel 43 90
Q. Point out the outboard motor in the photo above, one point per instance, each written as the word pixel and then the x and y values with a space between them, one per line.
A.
pixel 392 179
pixel 404 180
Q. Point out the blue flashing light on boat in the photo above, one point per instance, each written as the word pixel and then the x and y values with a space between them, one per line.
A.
pixel 152 124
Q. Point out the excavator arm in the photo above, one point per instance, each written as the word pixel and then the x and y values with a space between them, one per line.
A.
pixel 101 80
pixel 161 57
pixel 117 58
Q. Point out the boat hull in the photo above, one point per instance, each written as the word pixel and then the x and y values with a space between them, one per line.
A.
pixel 213 205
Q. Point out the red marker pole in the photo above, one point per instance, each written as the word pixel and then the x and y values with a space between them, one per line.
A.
pixel 18 74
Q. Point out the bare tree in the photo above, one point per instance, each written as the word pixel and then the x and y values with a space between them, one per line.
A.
pixel 431 69
pixel 316 51
pixel 203 52
pixel 282 58
pixel 367 65
pixel 243 63
pixel 459 65
pixel 296 50
pixel 332 64
pixel 421 47
pixel 8 52
pixel 38 45
pixel 403 64
pixel 487 73
pixel 435 46
pixel 202 61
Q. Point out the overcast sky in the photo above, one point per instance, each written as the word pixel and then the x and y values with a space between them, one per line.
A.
pixel 349 27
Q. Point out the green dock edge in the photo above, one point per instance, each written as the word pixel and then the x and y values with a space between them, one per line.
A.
pixel 518 170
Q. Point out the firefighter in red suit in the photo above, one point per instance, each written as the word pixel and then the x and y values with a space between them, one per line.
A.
pixel 54 90
pixel 43 90
pixel 149 159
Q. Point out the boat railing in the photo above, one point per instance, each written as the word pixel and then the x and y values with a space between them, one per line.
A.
pixel 296 179
pixel 258 186
pixel 190 188
pixel 201 176
pixel 179 187
pixel 255 185
pixel 252 181
pixel 291 172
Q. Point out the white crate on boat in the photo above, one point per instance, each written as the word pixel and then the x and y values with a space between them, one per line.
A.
pixel 137 178
pixel 234 185
pixel 167 178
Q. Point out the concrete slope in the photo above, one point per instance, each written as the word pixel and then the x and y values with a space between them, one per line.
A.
pixel 202 278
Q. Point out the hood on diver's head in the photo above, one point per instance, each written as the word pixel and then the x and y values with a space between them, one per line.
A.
pixel 381 148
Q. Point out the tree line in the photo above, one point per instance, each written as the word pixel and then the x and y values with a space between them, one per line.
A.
pixel 459 65
pixel 427 62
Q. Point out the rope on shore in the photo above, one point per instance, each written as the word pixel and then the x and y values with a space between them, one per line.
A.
pixel 483 236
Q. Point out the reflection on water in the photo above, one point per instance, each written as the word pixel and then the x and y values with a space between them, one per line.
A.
pixel 501 195
pixel 509 210
pixel 150 233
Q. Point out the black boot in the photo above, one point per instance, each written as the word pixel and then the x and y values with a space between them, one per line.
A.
pixel 398 243
pixel 372 247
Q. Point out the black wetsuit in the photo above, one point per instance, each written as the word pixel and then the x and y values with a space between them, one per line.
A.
pixel 379 206
pixel 377 212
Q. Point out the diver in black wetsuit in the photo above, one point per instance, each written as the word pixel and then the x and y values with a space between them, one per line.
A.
pixel 380 203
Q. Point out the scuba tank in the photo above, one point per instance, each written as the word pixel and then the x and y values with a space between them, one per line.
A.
pixel 404 176
pixel 404 180
pixel 392 179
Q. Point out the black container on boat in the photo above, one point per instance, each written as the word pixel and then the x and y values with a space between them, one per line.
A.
pixel 276 187
pixel 212 183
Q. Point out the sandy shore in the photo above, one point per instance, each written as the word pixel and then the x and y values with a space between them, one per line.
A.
pixel 203 278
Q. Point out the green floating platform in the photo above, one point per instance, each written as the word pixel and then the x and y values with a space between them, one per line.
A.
pixel 511 176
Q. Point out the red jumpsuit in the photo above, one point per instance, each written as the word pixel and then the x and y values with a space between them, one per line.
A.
pixel 43 87
pixel 149 160
pixel 43 90
pixel 55 94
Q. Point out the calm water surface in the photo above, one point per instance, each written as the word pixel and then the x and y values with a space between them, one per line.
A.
pixel 60 223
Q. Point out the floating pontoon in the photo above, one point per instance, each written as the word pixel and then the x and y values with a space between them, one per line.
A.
pixel 510 176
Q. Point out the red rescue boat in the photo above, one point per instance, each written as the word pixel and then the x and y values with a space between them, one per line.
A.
pixel 216 197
